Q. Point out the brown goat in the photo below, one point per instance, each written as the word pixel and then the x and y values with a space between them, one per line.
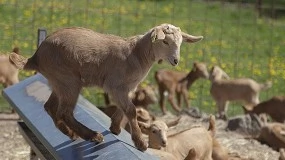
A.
pixel 8 71
pixel 274 107
pixel 273 134
pixel 72 58
pixel 178 83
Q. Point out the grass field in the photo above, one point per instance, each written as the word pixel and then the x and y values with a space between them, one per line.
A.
pixel 235 38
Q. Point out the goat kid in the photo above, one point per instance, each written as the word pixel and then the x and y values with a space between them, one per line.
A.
pixel 8 71
pixel 72 58
pixel 225 90
pixel 191 144
pixel 274 107
pixel 177 84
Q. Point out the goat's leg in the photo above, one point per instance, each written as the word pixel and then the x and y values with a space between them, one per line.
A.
pixel 185 97
pixel 121 98
pixel 179 100
pixel 161 100
pixel 221 109
pixel 51 107
pixel 171 101
pixel 116 121
pixel 64 115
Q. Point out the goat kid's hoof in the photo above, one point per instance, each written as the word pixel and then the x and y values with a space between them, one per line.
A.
pixel 141 145
pixel 115 130
pixel 97 137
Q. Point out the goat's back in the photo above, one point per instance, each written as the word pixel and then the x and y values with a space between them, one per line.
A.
pixel 169 75
pixel 274 107
pixel 273 135
pixel 234 89
pixel 197 138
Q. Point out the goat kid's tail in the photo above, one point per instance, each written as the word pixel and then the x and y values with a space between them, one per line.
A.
pixel 21 62
pixel 212 125
pixel 265 86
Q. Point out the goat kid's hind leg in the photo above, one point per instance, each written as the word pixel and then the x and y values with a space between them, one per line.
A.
pixel 185 97
pixel 116 120
pixel 67 102
pixel 129 110
pixel 51 107
pixel 171 101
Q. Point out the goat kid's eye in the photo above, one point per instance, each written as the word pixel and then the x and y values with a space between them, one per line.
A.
pixel 165 42
pixel 153 131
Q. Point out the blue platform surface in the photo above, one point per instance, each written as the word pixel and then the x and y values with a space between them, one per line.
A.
pixel 28 98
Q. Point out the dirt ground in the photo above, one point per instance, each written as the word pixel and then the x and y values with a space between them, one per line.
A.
pixel 12 144
pixel 14 147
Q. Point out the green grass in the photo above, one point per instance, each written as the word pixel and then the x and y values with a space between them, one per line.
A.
pixel 235 38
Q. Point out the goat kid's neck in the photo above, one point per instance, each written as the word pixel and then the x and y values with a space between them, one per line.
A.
pixel 190 78
pixel 142 50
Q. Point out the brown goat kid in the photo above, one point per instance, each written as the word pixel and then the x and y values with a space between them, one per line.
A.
pixel 8 71
pixel 274 107
pixel 177 84
pixel 72 58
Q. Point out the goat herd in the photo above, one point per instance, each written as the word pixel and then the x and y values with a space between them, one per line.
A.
pixel 72 58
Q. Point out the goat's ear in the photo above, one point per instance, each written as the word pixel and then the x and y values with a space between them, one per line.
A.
pixel 195 66
pixel 173 123
pixel 157 34
pixel 225 75
pixel 144 127
pixel 190 39
pixel 141 95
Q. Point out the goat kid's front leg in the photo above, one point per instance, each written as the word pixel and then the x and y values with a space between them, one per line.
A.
pixel 129 110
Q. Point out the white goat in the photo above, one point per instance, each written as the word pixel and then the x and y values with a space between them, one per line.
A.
pixel 8 71
pixel 224 90
pixel 196 139
pixel 72 58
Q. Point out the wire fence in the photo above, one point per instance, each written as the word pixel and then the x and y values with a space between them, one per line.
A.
pixel 246 38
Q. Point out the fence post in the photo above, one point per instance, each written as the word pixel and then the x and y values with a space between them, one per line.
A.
pixel 41 35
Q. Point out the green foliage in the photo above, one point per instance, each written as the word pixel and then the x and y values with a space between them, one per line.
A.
pixel 235 38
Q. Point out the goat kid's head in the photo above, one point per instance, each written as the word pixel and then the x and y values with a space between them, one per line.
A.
pixel 217 73
pixel 167 40
pixel 201 70
pixel 146 94
pixel 157 132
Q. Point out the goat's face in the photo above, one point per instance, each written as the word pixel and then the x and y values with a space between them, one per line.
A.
pixel 167 40
pixel 217 73
pixel 146 94
pixel 157 133
pixel 201 70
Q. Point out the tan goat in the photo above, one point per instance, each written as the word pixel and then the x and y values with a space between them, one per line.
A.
pixel 224 90
pixel 197 140
pixel 8 71
pixel 72 58
pixel 274 107
pixel 142 97
pixel 177 84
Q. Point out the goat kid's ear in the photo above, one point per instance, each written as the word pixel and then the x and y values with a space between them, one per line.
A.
pixel 144 127
pixel 190 39
pixel 157 34
pixel 173 123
